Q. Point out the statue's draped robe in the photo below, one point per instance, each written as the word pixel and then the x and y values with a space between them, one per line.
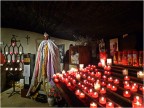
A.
pixel 47 63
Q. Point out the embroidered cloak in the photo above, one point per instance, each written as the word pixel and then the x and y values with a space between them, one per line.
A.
pixel 46 64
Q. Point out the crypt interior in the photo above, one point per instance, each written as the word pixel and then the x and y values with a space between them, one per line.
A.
pixel 72 54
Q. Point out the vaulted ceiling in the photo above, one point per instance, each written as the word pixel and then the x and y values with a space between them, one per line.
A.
pixel 66 19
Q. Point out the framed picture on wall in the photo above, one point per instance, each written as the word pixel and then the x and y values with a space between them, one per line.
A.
pixel 113 46
pixel 61 52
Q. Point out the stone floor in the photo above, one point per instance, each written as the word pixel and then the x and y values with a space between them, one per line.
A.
pixel 17 101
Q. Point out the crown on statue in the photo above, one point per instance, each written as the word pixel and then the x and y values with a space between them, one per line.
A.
pixel 45 34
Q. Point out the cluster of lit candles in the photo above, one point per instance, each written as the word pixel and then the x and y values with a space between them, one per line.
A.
pixel 133 87
pixel 13 61
pixel 90 81
pixel 12 53
pixel 137 102
pixel 13 69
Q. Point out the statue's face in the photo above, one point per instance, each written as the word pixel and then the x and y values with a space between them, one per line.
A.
pixel 46 37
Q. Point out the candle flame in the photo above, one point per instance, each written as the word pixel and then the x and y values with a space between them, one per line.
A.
pixel 97 86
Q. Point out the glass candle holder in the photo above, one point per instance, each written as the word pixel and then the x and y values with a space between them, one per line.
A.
pixel 93 105
pixel 114 88
pixel 109 85
pixel 137 104
pixel 116 81
pixel 95 95
pixel 102 100
pixel 126 93
pixel 109 105
pixel 110 79
pixel 127 86
pixel 90 92
pixel 68 84
pixel 102 90
pixel 100 64
pixel 137 98
pixel 78 76
pixel 126 78
pixel 77 92
pixel 133 88
pixel 82 95
pixel 56 80
pixel 103 83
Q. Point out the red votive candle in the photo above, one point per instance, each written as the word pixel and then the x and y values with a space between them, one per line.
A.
pixel 95 95
pixel 137 104
pixel 108 68
pixel 100 64
pixel 66 80
pixel 126 82
pixel 92 79
pixel 109 85
pixel 127 78
pixel 85 89
pixel 78 76
pixel 94 67
pixel 96 70
pixel 89 78
pixel 104 77
pixel 63 79
pixel 56 80
pixel 74 81
pixel 108 73
pixel 126 93
pixel 116 81
pixel 114 88
pixel 141 88
pixel 82 95
pixel 98 74
pixel 54 76
pixel 137 98
pixel 105 67
pixel 110 79
pixel 133 89
pixel 69 77
pixel 92 74
pixel 85 81
pixel 105 72
pixel 109 105
pixel 79 84
pixel 93 105
pixel 84 75
pixel 102 90
pixel 102 100
pixel 60 76
pixel 103 83
pixel 77 92
pixel 82 86
pixel 68 84
pixel 90 92
pixel 127 86
pixel 135 84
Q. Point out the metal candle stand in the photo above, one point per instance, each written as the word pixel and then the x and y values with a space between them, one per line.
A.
pixel 14 61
